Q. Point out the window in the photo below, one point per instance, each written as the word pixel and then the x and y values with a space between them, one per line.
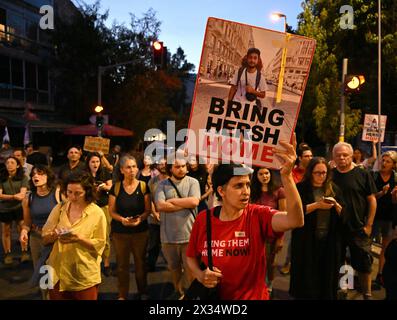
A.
pixel 31 30
pixel 2 24
pixel 17 72
pixel 4 77
pixel 30 75
pixel 43 78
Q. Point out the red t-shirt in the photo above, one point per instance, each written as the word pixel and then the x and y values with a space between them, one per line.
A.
pixel 237 250
pixel 297 174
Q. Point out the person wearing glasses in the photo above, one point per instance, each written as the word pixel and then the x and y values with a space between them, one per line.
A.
pixel 316 247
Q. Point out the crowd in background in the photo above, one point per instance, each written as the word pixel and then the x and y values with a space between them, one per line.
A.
pixel 71 217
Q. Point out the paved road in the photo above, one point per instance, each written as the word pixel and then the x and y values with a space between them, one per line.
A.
pixel 14 282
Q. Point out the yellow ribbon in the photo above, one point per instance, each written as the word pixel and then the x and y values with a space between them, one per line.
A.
pixel 282 69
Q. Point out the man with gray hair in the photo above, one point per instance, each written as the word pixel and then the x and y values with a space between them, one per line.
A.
pixel 359 212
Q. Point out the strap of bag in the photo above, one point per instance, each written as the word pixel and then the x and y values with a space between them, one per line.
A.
pixel 117 188
pixel 209 249
pixel 179 195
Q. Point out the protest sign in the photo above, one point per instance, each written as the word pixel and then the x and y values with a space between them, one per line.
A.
pixel 96 144
pixel 370 128
pixel 231 122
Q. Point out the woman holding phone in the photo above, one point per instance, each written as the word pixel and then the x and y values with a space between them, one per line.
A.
pixel 316 247
pixel 129 206
pixel 77 229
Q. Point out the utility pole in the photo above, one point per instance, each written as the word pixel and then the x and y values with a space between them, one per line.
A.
pixel 342 102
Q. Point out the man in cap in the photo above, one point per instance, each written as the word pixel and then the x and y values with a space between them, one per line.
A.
pixel 240 229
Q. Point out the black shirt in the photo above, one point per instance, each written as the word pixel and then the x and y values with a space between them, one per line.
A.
pixel 385 209
pixel 37 158
pixel 356 185
pixel 103 195
pixel 201 177
pixel 129 205
pixel 65 171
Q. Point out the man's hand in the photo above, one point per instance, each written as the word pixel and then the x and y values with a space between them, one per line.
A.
pixel 23 238
pixel 287 156
pixel 210 278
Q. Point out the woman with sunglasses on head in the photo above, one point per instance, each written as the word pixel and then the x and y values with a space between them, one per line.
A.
pixel 316 247
pixel 77 229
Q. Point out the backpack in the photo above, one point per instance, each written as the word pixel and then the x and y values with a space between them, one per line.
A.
pixel 257 81
pixel 117 186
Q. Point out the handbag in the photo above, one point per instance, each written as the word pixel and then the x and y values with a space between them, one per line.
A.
pixel 197 291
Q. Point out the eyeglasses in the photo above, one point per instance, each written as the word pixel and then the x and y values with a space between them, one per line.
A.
pixel 320 173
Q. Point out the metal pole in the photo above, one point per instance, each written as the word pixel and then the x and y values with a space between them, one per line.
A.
pixel 379 76
pixel 285 24
pixel 99 86
pixel 342 103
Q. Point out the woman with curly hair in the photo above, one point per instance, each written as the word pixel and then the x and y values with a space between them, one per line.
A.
pixel 77 229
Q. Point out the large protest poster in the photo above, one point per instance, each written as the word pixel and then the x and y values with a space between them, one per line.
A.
pixel 283 64
pixel 370 128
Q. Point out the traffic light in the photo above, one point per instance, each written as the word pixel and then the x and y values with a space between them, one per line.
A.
pixel 158 55
pixel 100 121
pixel 353 83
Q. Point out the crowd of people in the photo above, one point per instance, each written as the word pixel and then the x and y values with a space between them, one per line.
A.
pixel 324 212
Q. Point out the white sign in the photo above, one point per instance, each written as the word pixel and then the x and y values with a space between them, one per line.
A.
pixel 371 128
pixel 248 92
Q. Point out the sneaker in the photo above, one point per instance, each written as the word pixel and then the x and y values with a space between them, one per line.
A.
pixel 8 260
pixel 285 269
pixel 25 257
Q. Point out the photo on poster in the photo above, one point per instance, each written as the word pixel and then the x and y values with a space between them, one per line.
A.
pixel 233 122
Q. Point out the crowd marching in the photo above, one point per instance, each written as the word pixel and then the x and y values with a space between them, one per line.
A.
pixel 326 213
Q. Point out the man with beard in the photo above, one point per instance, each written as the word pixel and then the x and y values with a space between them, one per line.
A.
pixel 359 212
pixel 177 199
pixel 154 245
pixel 248 84
pixel 73 166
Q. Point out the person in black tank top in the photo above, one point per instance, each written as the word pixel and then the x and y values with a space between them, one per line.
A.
pixel 129 206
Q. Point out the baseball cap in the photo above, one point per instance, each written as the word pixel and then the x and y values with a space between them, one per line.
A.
pixel 224 172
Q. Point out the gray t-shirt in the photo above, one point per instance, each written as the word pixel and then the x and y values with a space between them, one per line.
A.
pixel 175 227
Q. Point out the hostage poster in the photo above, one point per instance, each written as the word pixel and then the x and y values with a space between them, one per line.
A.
pixel 371 127
pixel 248 92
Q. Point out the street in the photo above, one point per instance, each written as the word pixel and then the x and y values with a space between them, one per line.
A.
pixel 14 281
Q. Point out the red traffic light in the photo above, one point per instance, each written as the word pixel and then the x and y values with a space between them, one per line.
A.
pixel 157 45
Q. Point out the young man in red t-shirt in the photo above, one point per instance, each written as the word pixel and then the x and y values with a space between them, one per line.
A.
pixel 239 231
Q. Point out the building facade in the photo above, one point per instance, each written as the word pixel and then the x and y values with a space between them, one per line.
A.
pixel 26 56
pixel 225 46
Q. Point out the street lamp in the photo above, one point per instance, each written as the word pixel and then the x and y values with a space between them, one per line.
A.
pixel 275 16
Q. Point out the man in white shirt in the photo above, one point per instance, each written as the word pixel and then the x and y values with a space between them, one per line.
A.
pixel 20 154
pixel 248 84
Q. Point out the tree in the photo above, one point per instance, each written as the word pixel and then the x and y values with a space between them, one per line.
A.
pixel 134 95
pixel 321 20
